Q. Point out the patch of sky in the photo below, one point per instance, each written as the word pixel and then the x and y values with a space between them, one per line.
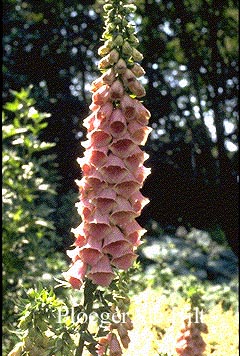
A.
pixel 166 28
pixel 183 83
pixel 63 31
pixel 161 132
pixel 209 122
pixel 182 67
pixel 181 123
pixel 73 13
pixel 193 99
pixel 74 50
pixel 228 126
pixel 230 146
pixel 92 14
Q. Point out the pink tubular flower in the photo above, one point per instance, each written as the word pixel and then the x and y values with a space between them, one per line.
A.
pixel 113 171
pixel 101 273
pixel 114 346
pixel 190 341
pixel 76 274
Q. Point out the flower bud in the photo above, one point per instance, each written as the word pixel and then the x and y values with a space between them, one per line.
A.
pixel 106 48
pixel 130 8
pixel 137 88
pixel 113 56
pixel 127 49
pixel 138 70
pixel 118 41
pixel 128 77
pixel 108 77
pixel 125 341
pixel 104 62
pixel 18 349
pixel 96 84
pixel 114 346
pixel 120 67
pixel 124 22
pixel 134 40
pixel 116 90
pixel 131 29
pixel 103 50
pixel 110 27
pixel 137 56
pixel 107 7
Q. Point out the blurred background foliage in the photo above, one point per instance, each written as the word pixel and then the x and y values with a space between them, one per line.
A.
pixel 191 60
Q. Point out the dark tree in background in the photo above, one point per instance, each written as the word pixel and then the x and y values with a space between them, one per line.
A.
pixel 191 61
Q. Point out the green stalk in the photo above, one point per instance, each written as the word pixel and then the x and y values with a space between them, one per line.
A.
pixel 89 296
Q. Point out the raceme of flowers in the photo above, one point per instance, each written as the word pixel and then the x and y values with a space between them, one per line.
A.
pixel 112 167
pixel 190 341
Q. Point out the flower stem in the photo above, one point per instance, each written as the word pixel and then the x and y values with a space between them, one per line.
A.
pixel 89 295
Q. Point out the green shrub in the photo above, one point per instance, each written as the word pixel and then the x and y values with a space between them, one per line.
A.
pixel 29 199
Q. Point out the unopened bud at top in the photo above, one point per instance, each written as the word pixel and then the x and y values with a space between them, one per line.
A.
pixel 130 8
pixel 118 41
pixel 137 56
pixel 138 70
pixel 108 60
pixel 134 40
pixel 120 67
pixel 127 49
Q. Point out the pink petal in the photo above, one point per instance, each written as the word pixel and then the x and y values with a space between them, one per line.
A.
pixel 138 201
pixel 107 193
pixel 136 88
pixel 125 261
pixel 104 112
pixel 122 212
pixel 101 273
pixel 103 265
pixel 114 346
pixel 90 255
pixel 123 147
pixel 117 90
pixel 136 159
pixel 97 156
pixel 89 121
pixel 114 169
pixel 127 186
pixel 128 107
pixel 115 242
pixel 96 181
pixel 98 218
pixel 109 76
pixel 96 84
pixel 143 115
pixel 73 254
pixel 85 165
pixel 98 231
pixel 101 278
pixel 118 125
pixel 117 247
pixel 99 138
pixel 101 96
pixel 84 208
pixel 76 274
pixel 139 133
pixel 142 173
pixel 105 199
pixel 80 241
pixel 134 232
pixel 94 107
